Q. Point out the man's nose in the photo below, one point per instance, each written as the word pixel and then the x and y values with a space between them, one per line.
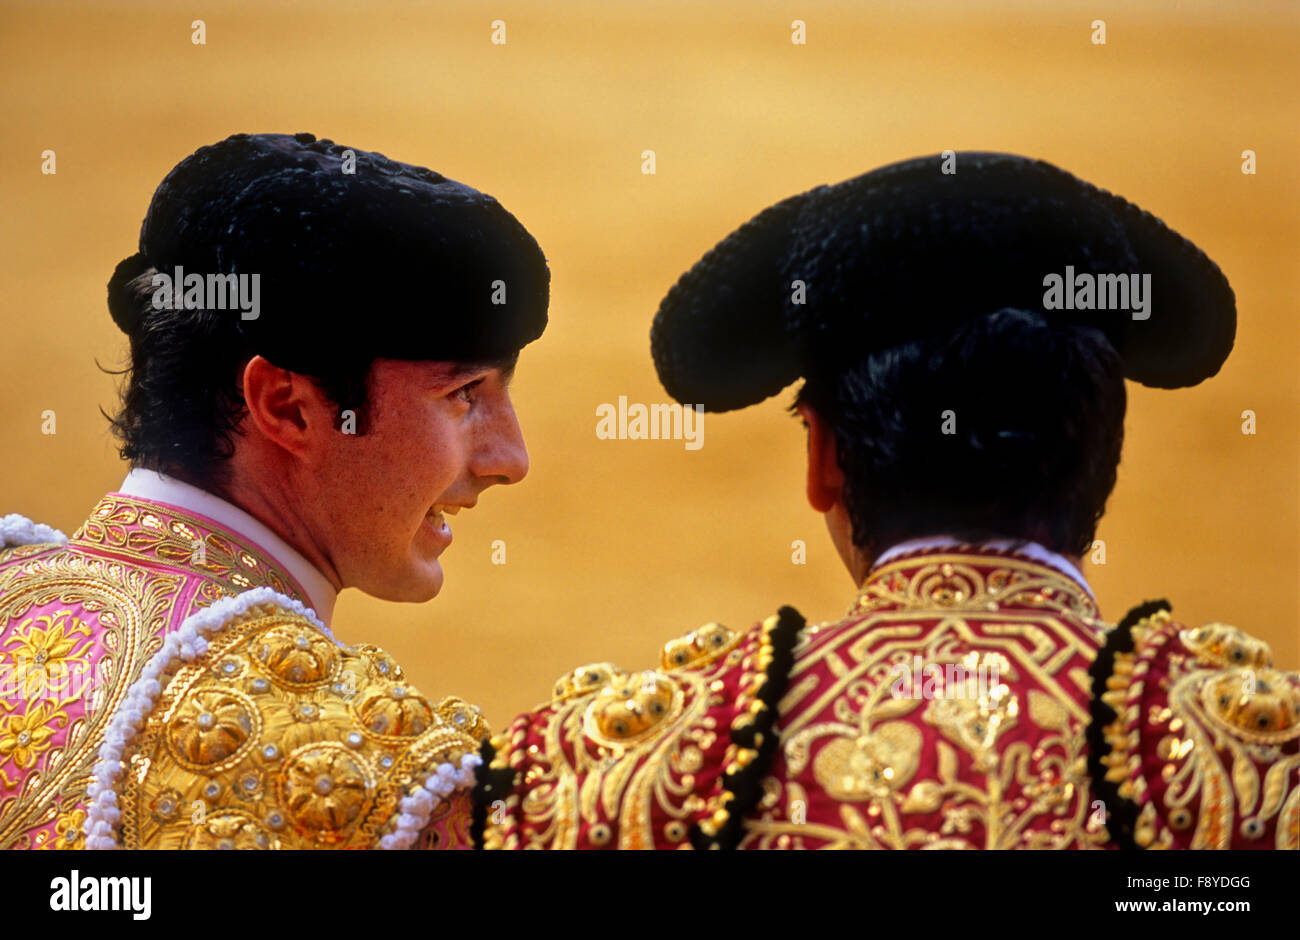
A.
pixel 503 458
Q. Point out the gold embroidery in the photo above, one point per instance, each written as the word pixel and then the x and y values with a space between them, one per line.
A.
pixel 618 748
pixel 47 659
pixel 848 722
pixel 950 581
pixel 240 751
pixel 128 605
pixel 1217 644
pixel 68 831
pixel 27 735
pixel 1288 832
pixel 698 647
pixel 449 825
pixel 296 658
pixel 630 707
pixel 209 727
pixel 1255 706
pixel 585 679
pixel 1222 717
pixel 177 538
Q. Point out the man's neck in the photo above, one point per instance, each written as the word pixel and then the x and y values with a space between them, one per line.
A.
pixel 240 516
pixel 256 497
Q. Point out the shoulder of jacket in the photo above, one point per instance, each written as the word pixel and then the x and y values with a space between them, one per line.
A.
pixel 253 727
pixel 669 757
pixel 1195 737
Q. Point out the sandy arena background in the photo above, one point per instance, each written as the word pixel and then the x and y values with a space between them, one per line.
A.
pixel 614 547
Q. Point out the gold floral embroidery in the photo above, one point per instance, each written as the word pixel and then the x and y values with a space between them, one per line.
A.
pixel 105 587
pixel 68 831
pixel 296 657
pixel 325 790
pixel 26 736
pixel 46 660
pixel 209 727
pixel 846 725
pixel 394 711
pixel 231 829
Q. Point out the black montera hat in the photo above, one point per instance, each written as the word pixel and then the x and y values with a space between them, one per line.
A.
pixel 908 251
pixel 392 261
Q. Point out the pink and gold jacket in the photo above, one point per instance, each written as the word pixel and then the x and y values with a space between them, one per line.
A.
pixel 970 698
pixel 164 685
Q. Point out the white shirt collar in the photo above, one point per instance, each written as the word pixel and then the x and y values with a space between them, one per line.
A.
pixel 160 488
pixel 1029 549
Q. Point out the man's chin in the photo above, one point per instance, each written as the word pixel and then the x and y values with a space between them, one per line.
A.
pixel 423 583
pixel 429 584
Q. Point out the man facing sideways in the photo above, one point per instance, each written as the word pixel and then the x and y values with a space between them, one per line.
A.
pixel 963 327
pixel 322 341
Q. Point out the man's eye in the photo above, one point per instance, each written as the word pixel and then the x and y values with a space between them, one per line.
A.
pixel 466 392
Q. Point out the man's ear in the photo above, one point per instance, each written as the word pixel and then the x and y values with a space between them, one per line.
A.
pixel 286 407
pixel 825 479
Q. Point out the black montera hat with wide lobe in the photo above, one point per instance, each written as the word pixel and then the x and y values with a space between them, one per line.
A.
pixel 392 261
pixel 908 252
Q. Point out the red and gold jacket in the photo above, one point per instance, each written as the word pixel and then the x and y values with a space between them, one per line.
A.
pixel 969 699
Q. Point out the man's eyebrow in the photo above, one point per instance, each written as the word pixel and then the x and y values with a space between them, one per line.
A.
pixel 505 365
pixel 456 371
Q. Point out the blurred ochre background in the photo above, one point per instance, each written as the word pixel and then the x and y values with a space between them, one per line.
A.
pixel 614 547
